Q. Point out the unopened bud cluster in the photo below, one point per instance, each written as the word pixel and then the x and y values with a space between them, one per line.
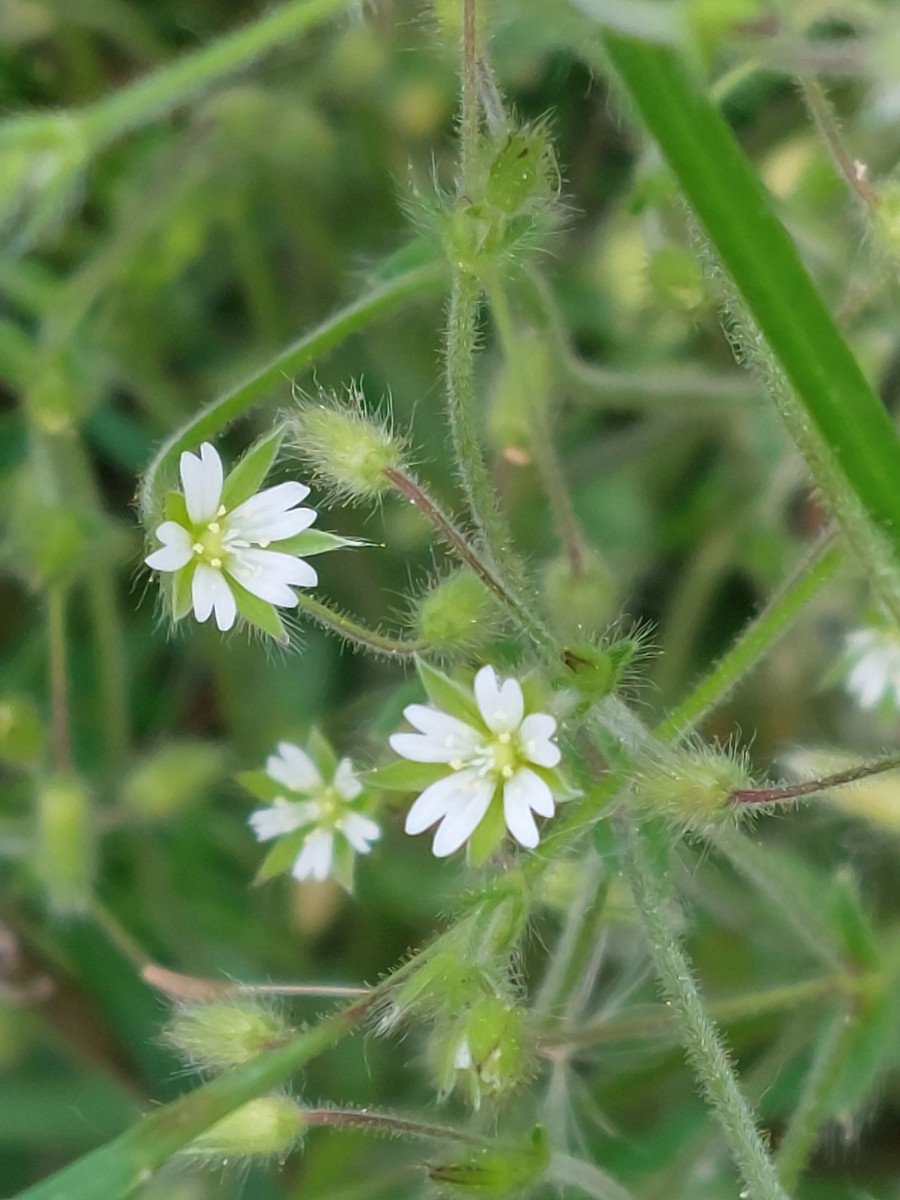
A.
pixel 510 198
pixel 350 451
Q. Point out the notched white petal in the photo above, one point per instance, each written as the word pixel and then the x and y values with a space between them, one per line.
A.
pixel 345 782
pixel 201 481
pixel 314 860
pixel 211 593
pixel 360 831
pixel 293 769
pixel 502 706
pixel 463 819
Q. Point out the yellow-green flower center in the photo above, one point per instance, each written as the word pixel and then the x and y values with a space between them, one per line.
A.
pixel 209 544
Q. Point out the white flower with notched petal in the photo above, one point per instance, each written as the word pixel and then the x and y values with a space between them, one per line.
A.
pixel 874 678
pixel 313 811
pixel 232 548
pixel 492 760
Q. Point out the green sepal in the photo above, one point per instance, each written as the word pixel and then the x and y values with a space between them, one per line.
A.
pixel 258 613
pixel 448 695
pixel 488 834
pixel 405 776
pixel 281 857
pixel 315 541
pixel 320 751
pixel 263 786
pixel 244 481
pixel 181 595
pixel 175 509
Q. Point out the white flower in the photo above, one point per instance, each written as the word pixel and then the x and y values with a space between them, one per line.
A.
pixel 875 673
pixel 332 830
pixel 495 758
pixel 223 547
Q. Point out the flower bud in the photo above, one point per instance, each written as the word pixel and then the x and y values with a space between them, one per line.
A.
pixel 22 733
pixel 267 1127
pixel 597 670
pixel 64 851
pixel 225 1033
pixel 443 984
pixel 172 778
pixel 580 604
pixel 458 613
pixel 496 1172
pixel 692 788
pixel 349 450
pixel 522 171
pixel 482 1052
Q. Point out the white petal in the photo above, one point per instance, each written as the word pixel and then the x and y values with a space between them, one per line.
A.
pixel 201 479
pixel 314 860
pixel 210 591
pixel 265 516
pixel 529 786
pixel 345 782
pixel 175 552
pixel 419 748
pixel 281 818
pixel 270 575
pixel 437 800
pixel 502 707
pixel 535 734
pixel 461 822
pixel 519 821
pixel 360 831
pixel 293 769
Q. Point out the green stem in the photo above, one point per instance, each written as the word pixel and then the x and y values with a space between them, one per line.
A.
pixel 461 341
pixel 832 411
pixel 809 787
pixel 755 640
pixel 59 679
pixel 358 635
pixel 703 1045
pixel 388 1124
pixel 159 93
pixel 824 120
pixel 468 106
pixel 840 985
pixel 802 1133
pixel 457 541
pixel 215 416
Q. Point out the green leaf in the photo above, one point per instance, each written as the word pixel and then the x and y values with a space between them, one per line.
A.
pixel 343 864
pixel 261 785
pixel 246 478
pixel 322 753
pixel 405 776
pixel 281 857
pixel 448 695
pixel 833 394
pixel 258 612
pixel 489 833
pixel 175 509
pixel 315 541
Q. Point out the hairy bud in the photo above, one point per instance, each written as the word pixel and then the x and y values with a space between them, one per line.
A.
pixel 458 613
pixel 496 1172
pixel 692 788
pixel 225 1033
pixel 349 450
pixel 584 603
pixel 267 1127
pixel 483 1052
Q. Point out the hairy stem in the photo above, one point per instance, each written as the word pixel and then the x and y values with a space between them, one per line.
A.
pixel 358 635
pixel 809 787
pixel 703 1045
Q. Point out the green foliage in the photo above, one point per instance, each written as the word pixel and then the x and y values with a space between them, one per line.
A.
pixel 204 241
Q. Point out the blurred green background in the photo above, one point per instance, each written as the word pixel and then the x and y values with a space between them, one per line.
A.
pixel 183 255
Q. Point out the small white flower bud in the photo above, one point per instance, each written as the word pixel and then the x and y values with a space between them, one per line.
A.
pixel 267 1127
pixel 225 1033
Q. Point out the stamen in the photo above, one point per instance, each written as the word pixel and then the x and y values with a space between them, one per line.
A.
pixel 222 510
pixel 264 542
pixel 503 737
pixel 214 527
pixel 507 772
pixel 215 562
pixel 197 547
